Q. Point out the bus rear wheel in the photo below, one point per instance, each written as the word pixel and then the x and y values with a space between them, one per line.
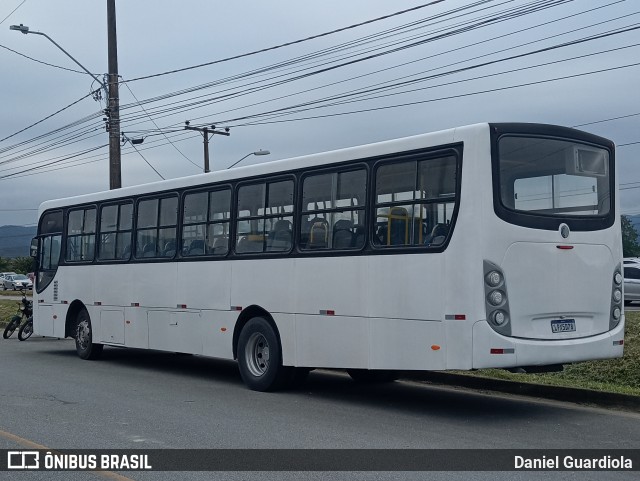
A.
pixel 260 357
pixel 85 347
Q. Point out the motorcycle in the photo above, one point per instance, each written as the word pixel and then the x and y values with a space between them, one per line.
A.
pixel 25 311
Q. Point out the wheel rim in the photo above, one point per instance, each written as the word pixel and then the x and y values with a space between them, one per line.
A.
pixel 257 354
pixel 83 334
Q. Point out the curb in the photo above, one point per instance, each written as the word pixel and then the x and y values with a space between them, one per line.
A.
pixel 558 393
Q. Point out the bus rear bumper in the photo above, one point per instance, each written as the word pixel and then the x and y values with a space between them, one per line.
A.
pixel 493 350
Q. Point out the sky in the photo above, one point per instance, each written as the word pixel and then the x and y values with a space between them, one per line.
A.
pixel 437 65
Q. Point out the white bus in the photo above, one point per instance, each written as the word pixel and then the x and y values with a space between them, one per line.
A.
pixel 490 245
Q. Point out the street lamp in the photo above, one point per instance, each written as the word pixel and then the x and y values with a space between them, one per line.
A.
pixel 113 112
pixel 24 29
pixel 258 152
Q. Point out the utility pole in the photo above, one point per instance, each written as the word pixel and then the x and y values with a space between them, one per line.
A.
pixel 205 134
pixel 115 164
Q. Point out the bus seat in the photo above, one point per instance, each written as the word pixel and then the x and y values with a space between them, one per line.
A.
pixel 220 245
pixel 149 250
pixel 342 234
pixel 281 237
pixel 399 222
pixel 169 249
pixel 196 248
pixel 438 234
pixel 319 236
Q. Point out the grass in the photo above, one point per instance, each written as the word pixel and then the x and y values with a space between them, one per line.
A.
pixel 14 293
pixel 611 375
pixel 8 307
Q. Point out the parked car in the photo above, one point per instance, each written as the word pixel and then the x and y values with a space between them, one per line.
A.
pixel 16 282
pixel 631 283
pixel 631 261
pixel 5 274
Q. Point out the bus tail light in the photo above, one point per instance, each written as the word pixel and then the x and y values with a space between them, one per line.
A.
pixel 616 298
pixel 496 299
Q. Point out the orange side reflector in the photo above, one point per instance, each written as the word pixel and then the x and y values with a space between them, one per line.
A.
pixel 223 329
pixel 435 347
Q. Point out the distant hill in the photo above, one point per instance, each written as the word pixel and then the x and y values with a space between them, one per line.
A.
pixel 15 240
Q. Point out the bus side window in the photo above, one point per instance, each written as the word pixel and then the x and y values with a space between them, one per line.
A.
pixel 333 205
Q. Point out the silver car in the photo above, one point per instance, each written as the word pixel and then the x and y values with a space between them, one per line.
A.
pixel 16 281
pixel 631 283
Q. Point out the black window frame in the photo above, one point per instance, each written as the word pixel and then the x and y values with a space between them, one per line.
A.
pixel 44 276
pixel 159 196
pixel 343 168
pixel 67 236
pixel 266 181
pixel 208 190
pixel 119 203
pixel 455 150
pixel 537 220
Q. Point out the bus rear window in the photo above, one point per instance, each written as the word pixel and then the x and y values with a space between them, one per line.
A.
pixel 553 177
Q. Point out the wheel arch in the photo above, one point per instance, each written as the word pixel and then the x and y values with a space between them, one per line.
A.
pixel 245 316
pixel 72 315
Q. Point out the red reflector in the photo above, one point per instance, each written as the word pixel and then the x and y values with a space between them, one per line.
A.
pixel 182 306
pixel 135 304
pixel 460 317
pixel 331 312
pixel 508 350
pixel 565 248
pixel 618 343
pixel 236 308
pixel 97 303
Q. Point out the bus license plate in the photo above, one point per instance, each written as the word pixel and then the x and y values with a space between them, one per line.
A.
pixel 563 325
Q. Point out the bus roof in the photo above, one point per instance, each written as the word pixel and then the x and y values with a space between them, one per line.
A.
pixel 267 168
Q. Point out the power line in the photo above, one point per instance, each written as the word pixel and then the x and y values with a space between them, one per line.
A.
pixel 255 52
pixel 47 117
pixel 154 123
pixel 475 23
pixel 360 93
pixel 373 109
pixel 438 54
pixel 12 11
pixel 41 61
pixel 57 161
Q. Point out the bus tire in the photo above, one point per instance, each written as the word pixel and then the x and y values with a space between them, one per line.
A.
pixel 85 347
pixel 260 357
pixel 366 376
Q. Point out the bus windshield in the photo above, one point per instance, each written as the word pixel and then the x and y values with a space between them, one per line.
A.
pixel 552 177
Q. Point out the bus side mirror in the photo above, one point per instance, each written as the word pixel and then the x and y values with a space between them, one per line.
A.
pixel 33 250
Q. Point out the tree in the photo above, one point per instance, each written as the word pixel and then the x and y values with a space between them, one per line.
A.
pixel 630 245
pixel 21 265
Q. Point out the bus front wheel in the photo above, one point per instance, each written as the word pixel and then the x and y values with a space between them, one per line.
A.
pixel 260 357
pixel 85 346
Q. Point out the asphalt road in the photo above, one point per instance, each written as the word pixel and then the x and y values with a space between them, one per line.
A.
pixel 135 399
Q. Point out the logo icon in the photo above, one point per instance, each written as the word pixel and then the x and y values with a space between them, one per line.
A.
pixel 564 231
pixel 23 460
